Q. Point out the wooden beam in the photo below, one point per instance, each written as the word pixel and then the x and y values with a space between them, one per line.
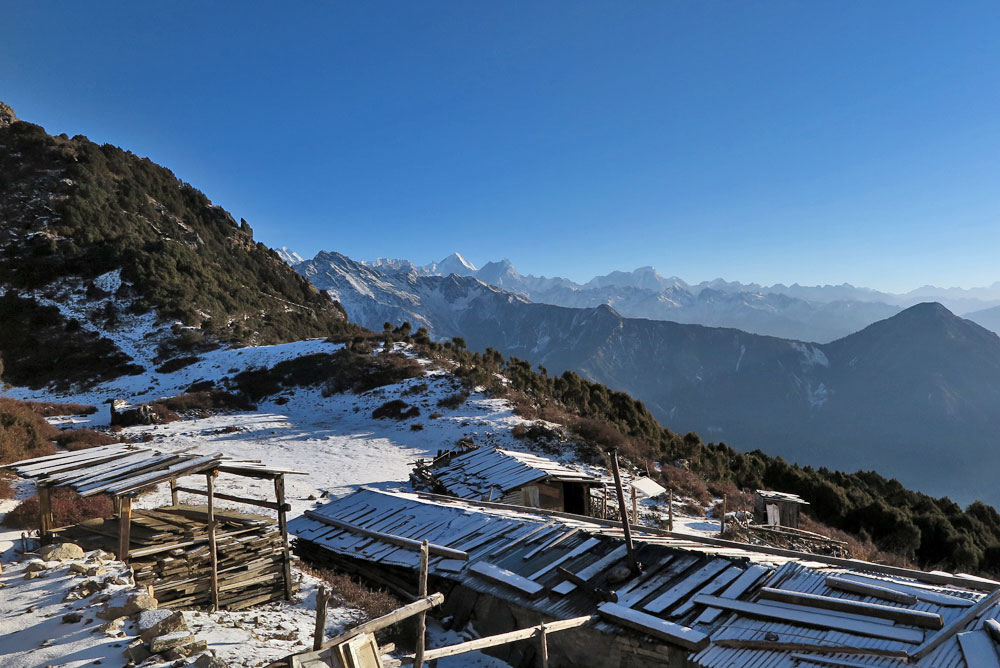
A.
pixel 213 548
pixel 873 590
pixel 502 576
pixel 238 499
pixel 438 550
pixel 505 638
pixel 173 492
pixel 818 619
pixel 670 510
pixel 543 643
pixel 947 632
pixel 632 561
pixel 418 660
pixel 927 620
pixel 124 528
pixel 394 617
pixel 676 634
pixel 778 646
pixel 45 520
pixel 286 557
pixel 322 598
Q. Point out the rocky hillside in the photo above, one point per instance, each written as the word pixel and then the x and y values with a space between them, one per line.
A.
pixel 123 238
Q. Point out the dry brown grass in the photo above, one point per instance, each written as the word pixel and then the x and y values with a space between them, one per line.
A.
pixel 67 509
pixel 48 409
pixel 81 439
pixel 352 593
pixel 859 549
pixel 23 432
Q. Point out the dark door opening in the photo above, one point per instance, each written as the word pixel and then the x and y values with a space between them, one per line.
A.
pixel 575 498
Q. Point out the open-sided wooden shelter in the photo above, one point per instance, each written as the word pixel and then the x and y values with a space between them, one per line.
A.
pixel 189 555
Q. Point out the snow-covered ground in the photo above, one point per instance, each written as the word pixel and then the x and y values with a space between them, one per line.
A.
pixel 333 441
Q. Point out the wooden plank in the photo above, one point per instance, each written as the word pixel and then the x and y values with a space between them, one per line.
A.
pixel 438 550
pixel 779 646
pixel 922 593
pixel 551 543
pixel 237 499
pixel 749 578
pixel 588 544
pixel 394 617
pixel 418 660
pixel 526 537
pixel 507 578
pixel 188 467
pixel 927 620
pixel 828 661
pixel 721 580
pixel 693 581
pixel 213 548
pixel 978 650
pixel 124 528
pixel 590 571
pixel 817 619
pixel 873 590
pixel 505 638
pixel 992 627
pixel 957 625
pixel 286 557
pixel 683 636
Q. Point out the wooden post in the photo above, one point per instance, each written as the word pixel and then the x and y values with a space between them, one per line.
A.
pixel 604 493
pixel 670 511
pixel 635 507
pixel 418 659
pixel 322 598
pixel 286 566
pixel 544 646
pixel 124 528
pixel 210 478
pixel 633 564
pixel 173 491
pixel 116 506
pixel 723 518
pixel 44 511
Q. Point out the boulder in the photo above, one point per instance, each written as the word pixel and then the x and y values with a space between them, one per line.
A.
pixel 184 651
pixel 171 623
pixel 127 605
pixel 165 642
pixel 62 552
pixel 113 628
pixel 78 567
pixel 72 618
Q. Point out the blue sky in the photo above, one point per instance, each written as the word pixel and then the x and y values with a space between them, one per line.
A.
pixel 817 142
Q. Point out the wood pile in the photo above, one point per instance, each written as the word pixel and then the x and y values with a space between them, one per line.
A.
pixel 170 551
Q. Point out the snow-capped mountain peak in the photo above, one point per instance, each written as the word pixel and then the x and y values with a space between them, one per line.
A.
pixel 454 264
pixel 289 256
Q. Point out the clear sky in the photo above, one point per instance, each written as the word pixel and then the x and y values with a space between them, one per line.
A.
pixel 817 142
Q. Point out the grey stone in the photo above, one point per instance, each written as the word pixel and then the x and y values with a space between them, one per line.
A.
pixel 172 623
pixel 126 606
pixel 62 552
pixel 35 566
pixel 78 567
pixel 147 619
pixel 165 642
pixel 72 618
pixel 137 652
pixel 31 575
pixel 209 661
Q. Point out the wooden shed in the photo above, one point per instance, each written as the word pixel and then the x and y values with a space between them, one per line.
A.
pixel 508 476
pixel 777 508
pixel 189 555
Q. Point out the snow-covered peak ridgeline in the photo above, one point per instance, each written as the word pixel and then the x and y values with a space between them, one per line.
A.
pixel 372 297
pixel 820 313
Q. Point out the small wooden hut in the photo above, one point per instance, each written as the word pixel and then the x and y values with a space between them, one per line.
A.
pixel 777 508
pixel 189 555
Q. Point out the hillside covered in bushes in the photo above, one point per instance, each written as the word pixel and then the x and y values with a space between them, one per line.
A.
pixel 72 211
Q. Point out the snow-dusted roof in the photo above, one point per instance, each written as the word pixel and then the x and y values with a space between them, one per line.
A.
pixel 477 473
pixel 769 495
pixel 728 601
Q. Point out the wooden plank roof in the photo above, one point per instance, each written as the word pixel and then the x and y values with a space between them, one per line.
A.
pixel 688 583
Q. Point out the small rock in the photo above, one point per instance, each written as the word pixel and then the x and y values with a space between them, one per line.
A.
pixel 171 623
pixel 311 497
pixel 137 652
pixel 127 606
pixel 62 552
pixel 72 618
pixel 165 642
pixel 31 575
pixel 209 661
pixel 35 566
pixel 78 567
pixel 114 627
pixel 94 571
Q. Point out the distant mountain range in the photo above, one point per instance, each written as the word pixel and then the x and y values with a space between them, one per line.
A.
pixel 817 313
pixel 916 394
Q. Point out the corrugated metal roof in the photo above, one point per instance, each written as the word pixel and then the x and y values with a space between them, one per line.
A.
pixel 517 555
pixel 479 473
